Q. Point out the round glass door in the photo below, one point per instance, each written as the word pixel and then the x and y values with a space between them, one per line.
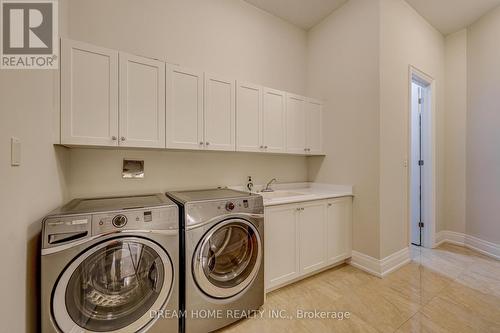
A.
pixel 114 286
pixel 227 258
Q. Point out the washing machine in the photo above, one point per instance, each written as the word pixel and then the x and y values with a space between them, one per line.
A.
pixel 111 265
pixel 222 256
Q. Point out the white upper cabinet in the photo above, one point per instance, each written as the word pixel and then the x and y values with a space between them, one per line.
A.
pixel 142 102
pixel 248 117
pixel 274 121
pixel 219 113
pixel 89 94
pixel 295 124
pixel 314 115
pixel 111 98
pixel 184 104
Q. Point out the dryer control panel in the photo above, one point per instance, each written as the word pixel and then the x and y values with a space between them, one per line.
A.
pixel 201 212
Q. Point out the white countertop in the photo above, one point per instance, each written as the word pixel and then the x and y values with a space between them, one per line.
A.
pixel 299 192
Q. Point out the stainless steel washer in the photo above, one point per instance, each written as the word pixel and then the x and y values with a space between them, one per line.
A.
pixel 222 250
pixel 111 265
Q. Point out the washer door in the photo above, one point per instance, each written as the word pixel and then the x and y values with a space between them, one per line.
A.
pixel 113 287
pixel 227 258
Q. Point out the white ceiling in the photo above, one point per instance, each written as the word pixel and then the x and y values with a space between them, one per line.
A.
pixel 302 13
pixel 449 16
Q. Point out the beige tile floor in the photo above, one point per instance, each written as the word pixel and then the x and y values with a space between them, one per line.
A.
pixel 448 289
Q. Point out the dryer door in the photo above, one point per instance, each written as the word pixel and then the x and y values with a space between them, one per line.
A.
pixel 113 286
pixel 227 258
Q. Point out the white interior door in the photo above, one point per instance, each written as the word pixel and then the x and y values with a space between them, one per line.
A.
pixel 314 133
pixel 295 124
pixel 274 121
pixel 219 113
pixel 415 169
pixel 142 102
pixel 312 236
pixel 248 117
pixel 89 94
pixel 184 108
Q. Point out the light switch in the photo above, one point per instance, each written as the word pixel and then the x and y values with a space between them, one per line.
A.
pixel 15 151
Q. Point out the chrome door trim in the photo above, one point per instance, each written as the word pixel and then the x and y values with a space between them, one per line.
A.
pixel 63 247
pixel 58 303
pixel 199 275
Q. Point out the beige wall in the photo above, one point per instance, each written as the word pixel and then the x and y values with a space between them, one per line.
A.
pixel 98 171
pixel 455 130
pixel 227 37
pixel 343 71
pixel 405 39
pixel 483 135
pixel 28 111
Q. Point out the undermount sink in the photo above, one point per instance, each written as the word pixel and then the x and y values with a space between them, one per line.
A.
pixel 279 194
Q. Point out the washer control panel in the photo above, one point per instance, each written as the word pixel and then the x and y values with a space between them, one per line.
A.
pixel 140 219
pixel 119 221
pixel 229 206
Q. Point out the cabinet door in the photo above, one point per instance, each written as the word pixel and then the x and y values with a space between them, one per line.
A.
pixel 142 102
pixel 274 119
pixel 184 108
pixel 314 115
pixel 89 94
pixel 248 117
pixel 312 236
pixel 219 113
pixel 339 229
pixel 281 246
pixel 295 124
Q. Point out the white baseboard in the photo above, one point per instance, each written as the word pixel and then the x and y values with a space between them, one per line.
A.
pixel 380 267
pixel 488 248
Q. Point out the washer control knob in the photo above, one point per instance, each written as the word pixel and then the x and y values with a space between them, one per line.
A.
pixel 229 206
pixel 119 221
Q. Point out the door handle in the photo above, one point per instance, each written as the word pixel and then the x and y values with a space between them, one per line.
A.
pixel 66 237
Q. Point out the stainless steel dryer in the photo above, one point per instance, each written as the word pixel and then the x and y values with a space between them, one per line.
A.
pixel 222 251
pixel 111 265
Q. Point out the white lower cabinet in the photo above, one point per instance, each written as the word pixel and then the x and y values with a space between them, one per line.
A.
pixel 304 238
pixel 339 211
pixel 312 227
pixel 280 245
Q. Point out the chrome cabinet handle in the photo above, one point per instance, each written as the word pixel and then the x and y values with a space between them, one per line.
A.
pixel 113 138
pixel 261 147
pixel 265 147
pixel 207 143
pixel 123 138
pixel 201 143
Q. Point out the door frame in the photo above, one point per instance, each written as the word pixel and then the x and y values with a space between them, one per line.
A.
pixel 429 177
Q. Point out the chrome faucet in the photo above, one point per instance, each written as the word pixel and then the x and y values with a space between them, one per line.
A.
pixel 268 188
